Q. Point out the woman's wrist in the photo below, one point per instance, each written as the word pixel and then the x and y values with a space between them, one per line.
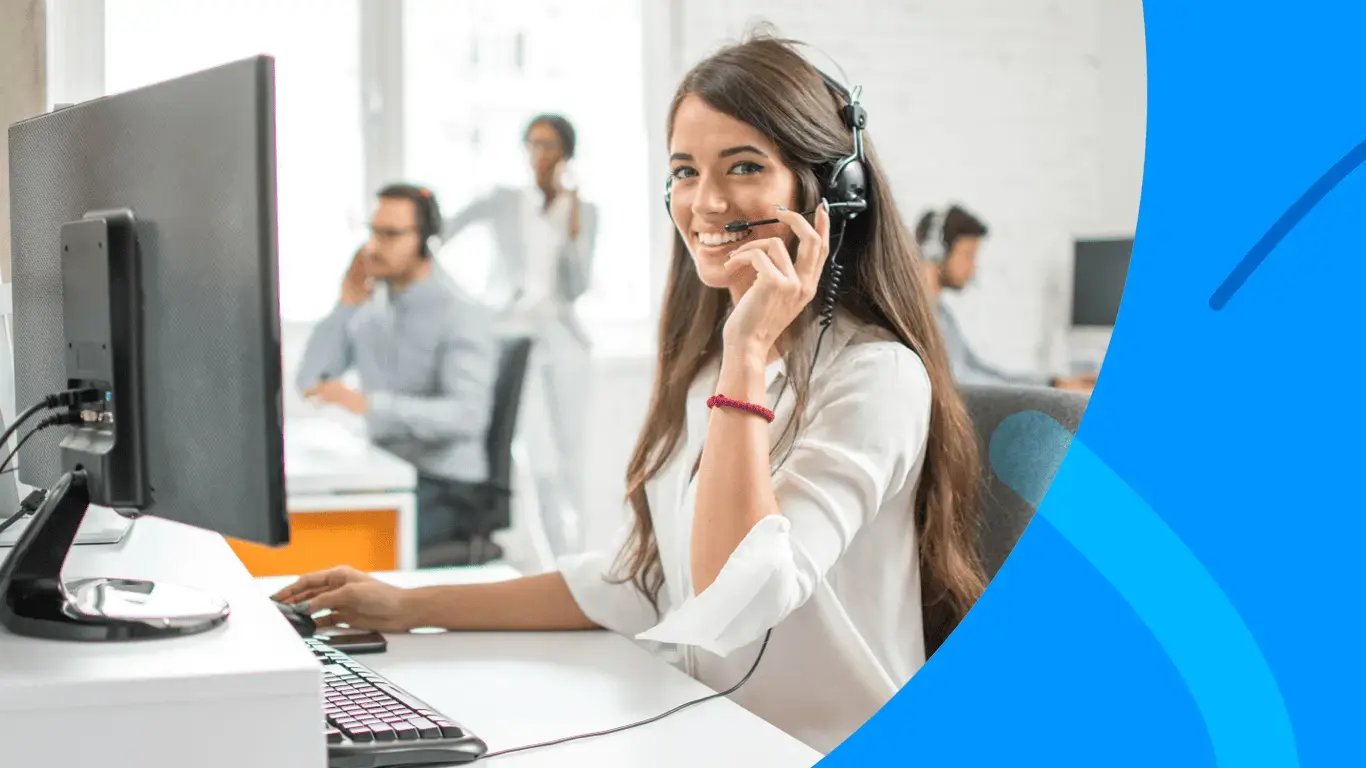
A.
pixel 416 606
pixel 745 352
pixel 742 374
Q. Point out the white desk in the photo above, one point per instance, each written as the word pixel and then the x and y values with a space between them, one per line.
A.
pixel 330 468
pixel 514 688
pixel 163 703
pixel 246 693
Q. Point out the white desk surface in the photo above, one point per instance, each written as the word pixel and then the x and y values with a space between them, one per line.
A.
pixel 514 688
pixel 249 642
pixel 325 457
pixel 146 703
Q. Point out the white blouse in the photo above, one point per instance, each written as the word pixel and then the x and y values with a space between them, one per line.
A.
pixel 836 574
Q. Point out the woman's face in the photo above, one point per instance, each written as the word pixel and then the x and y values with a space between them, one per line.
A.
pixel 544 151
pixel 723 170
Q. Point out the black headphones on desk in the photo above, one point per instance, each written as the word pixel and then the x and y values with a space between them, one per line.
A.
pixel 846 179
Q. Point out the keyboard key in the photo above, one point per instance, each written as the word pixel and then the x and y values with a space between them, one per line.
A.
pixel 405 731
pixel 425 728
pixel 449 730
pixel 334 736
pixel 384 733
pixel 359 733
pixel 403 696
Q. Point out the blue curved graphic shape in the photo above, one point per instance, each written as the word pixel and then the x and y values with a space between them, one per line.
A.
pixel 1287 221
pixel 1161 579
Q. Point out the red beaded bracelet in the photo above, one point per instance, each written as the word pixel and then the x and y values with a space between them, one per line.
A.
pixel 726 402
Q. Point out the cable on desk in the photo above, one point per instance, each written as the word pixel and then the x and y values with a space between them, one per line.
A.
pixel 647 720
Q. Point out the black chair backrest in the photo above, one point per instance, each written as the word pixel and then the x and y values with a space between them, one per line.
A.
pixel 1029 435
pixel 507 400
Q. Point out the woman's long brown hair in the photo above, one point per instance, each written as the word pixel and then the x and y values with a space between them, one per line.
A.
pixel 765 83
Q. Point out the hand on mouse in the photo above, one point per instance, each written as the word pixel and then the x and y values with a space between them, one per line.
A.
pixel 311 585
pixel 365 605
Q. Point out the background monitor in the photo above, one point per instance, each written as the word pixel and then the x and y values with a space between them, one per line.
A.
pixel 1099 270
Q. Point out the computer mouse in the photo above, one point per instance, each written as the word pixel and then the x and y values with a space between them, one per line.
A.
pixel 299 619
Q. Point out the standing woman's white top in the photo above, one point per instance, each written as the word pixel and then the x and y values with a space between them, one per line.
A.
pixel 836 573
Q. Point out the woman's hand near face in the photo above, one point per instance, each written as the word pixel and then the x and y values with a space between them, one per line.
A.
pixel 781 289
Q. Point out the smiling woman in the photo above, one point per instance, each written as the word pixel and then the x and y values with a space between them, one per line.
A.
pixel 842 531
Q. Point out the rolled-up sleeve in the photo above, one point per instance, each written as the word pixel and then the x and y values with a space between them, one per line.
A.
pixel 609 603
pixel 862 447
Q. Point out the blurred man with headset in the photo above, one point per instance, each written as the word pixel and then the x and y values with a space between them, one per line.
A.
pixel 427 359
pixel 948 242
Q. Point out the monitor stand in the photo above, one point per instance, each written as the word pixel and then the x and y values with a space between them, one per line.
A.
pixel 35 601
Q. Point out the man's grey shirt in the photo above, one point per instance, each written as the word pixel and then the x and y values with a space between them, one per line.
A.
pixel 427 360
pixel 966 366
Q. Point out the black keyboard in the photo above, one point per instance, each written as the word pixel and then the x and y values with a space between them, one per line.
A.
pixel 372 723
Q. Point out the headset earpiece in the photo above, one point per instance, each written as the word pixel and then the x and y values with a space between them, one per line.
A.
pixel 429 221
pixel 846 186
pixel 933 248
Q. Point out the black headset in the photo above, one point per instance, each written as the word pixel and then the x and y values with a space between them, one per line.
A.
pixel 846 179
pixel 429 219
pixel 846 187
pixel 426 207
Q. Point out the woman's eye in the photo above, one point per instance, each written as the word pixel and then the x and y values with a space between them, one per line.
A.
pixel 683 172
pixel 745 168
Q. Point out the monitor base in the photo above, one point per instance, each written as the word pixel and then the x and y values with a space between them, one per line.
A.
pixel 34 600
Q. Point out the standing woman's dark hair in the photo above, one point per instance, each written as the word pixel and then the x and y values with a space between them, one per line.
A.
pixel 765 83
pixel 562 128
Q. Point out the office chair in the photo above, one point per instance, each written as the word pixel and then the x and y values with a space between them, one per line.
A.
pixel 1020 410
pixel 491 504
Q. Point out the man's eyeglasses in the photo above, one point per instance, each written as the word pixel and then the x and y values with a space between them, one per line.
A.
pixel 389 234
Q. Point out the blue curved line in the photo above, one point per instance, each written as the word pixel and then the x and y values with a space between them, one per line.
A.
pixel 1167 586
pixel 1316 192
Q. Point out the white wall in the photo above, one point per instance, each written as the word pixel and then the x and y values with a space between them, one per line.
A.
pixel 1029 112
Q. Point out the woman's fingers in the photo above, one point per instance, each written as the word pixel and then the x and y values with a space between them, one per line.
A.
pixel 776 251
pixel 308 583
pixel 757 259
pixel 813 242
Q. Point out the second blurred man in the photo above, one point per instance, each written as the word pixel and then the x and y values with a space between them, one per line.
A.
pixel 948 242
pixel 426 356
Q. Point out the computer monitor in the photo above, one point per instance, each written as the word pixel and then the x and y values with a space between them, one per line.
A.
pixel 1099 270
pixel 144 269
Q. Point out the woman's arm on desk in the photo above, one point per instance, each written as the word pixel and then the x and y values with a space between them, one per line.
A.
pixel 540 602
